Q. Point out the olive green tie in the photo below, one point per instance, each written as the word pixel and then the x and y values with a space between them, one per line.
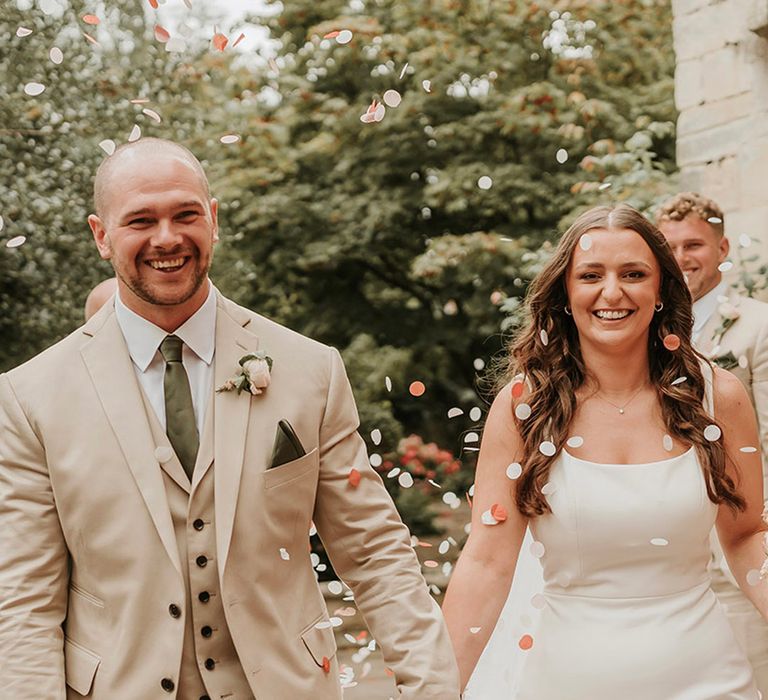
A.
pixel 180 423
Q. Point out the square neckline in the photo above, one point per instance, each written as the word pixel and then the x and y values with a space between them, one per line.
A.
pixel 631 464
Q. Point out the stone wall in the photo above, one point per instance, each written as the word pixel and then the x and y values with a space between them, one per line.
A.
pixel 721 92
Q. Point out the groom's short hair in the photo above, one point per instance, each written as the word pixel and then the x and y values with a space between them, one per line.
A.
pixel 151 144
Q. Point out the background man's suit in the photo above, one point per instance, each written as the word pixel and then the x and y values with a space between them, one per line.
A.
pixel 87 481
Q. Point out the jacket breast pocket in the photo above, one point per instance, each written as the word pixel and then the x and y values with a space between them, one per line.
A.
pixel 320 642
pixel 80 666
pixel 290 471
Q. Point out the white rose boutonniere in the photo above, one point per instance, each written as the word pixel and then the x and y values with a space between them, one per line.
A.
pixel 254 375
pixel 729 315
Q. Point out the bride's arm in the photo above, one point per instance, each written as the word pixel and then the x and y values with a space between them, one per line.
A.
pixel 742 533
pixel 480 582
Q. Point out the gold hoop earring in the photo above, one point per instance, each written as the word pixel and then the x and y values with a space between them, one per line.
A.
pixel 658 307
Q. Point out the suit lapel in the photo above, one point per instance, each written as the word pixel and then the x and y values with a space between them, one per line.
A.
pixel 708 344
pixel 109 364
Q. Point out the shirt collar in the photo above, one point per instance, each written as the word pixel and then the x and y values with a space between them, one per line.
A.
pixel 705 307
pixel 143 337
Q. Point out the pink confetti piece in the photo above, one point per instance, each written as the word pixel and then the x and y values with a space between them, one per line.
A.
pixel 162 34
pixel 238 40
pixel 88 37
pixel 220 41
pixel 93 20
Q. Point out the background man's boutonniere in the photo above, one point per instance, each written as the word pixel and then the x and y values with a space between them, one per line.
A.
pixel 254 375
pixel 729 315
pixel 727 361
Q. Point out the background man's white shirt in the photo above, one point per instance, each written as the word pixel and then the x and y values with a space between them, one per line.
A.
pixel 705 307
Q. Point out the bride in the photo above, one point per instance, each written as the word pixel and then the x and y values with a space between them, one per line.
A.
pixel 619 447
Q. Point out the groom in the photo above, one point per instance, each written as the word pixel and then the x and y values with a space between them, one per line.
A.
pixel 154 534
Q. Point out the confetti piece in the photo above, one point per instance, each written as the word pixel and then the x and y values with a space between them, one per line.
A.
pixel 445 545
pixel 517 389
pixel 745 241
pixel 375 460
pixel 153 3
pixel 33 89
pixel 668 444
pixel 335 587
pixel 743 361
pixel 427 85
pixel 2 223
pixel 431 564
pixel 585 242
pixel 748 450
pixel 475 414
pixel 561 156
pixel 93 20
pixel 344 37
pixel 188 3
pixel 238 40
pixel 514 470
pixel 139 101
pixel 434 483
pixel 544 337
pixel 163 454
pixel 392 98
pixel 487 518
pixel 88 37
pixel 537 549
pixel 547 448
pixel 405 480
pixel 229 138
pixel 220 41
pixel 402 72
pixel 354 478
pixel 392 473
pixel 475 630
pixel 15 242
pixel 725 266
pixel 485 182
pixel 548 488
pixel 712 433
pixel 388 383
pixel 659 542
pixel 326 665
pixel 323 625
pixel 455 412
pixel 417 389
pixel 376 436
pixel 108 146
pixel 471 437
pixel 605 186
pixel 575 441
pixel 671 342
pixel 22 32
pixel 679 380
pixel 479 363
pixel 135 134
pixel 56 55
pixel 715 220
pixel 162 34
pixel 151 114
pixel 539 601
pixel 331 35
pixel 526 642
pixel 753 577
pixel 523 411
pixel 284 554
pixel 498 512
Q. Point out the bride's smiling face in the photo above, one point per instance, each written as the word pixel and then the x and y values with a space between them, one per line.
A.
pixel 612 288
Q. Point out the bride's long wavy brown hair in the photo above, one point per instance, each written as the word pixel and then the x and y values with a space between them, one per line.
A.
pixel 555 371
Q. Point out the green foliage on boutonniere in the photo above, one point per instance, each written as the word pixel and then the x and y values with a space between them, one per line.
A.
pixel 727 361
pixel 254 375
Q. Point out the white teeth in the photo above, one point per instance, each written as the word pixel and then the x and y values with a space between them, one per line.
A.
pixel 612 315
pixel 162 264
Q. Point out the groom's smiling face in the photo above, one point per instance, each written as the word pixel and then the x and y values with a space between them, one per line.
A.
pixel 157 226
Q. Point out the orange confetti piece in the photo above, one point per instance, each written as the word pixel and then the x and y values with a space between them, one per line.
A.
pixel 220 42
pixel 417 389
pixel 526 642
pixel 499 512
pixel 238 40
pixel 153 3
pixel 91 19
pixel 326 664
pixel 161 34
pixel 354 478
pixel 469 500
pixel 331 35
pixel 671 342
pixel 389 671
pixel 362 635
pixel 431 564
pixel 419 543
pixel 517 389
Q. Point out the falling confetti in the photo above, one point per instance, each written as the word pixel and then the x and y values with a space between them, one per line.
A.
pixel 427 85
pixel 344 37
pixel 679 380
pixel 659 542
pixel 238 40
pixel 376 436
pixel 108 146
pixel 376 460
pixel 2 223
pixel 354 478
pixel 89 38
pixel 544 337
pixel 485 182
pixel 471 437
pixel 392 98
pixel 487 518
pixel 56 55
pixel 671 342
pixel 220 41
pixel 712 433
pixel 715 220
pixel 431 564
pixel 475 414
pixel 605 186
pixel 331 35
pixel 326 665
pixel 151 114
pixel 585 242
pixel 388 383
pixel 575 441
pixel 229 138
pixel 392 473
pixel 162 34
pixel 537 549
pixel 405 480
pixel 745 241
pixel 93 20
pixel 514 470
pixel 668 444
pixel 753 577
pixel 135 134
pixel 743 361
pixel 526 642
pixel 22 32
pixel 475 630
pixel 402 72
pixel 34 89
pixel 16 241
pixel 163 454
pixel 335 587
pixel 445 545
pixel 498 512
pixel 153 3
pixel 547 448
pixel 548 488
pixel 284 554
pixel 748 450
pixel 417 389
pixel 523 411
pixel 479 363
pixel 455 412
pixel 561 156
pixel 517 389
pixel 725 266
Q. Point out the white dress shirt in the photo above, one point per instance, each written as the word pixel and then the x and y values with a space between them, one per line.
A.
pixel 198 334
pixel 705 307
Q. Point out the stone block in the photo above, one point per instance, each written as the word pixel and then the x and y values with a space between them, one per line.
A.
pixel 713 144
pixel 718 180
pixel 712 114
pixel 710 28
pixel 689 80
pixel 753 171
pixel 725 73
pixel 685 7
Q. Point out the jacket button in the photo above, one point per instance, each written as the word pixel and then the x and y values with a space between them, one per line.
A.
pixel 198 524
pixel 167 685
pixel 209 664
pixel 206 631
pixel 204 596
pixel 202 560
pixel 174 610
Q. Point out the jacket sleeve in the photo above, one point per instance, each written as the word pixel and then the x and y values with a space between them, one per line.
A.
pixel 370 549
pixel 759 371
pixel 33 563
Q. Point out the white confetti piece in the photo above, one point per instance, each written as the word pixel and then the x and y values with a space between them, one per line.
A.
pixel 575 441
pixel 450 497
pixel 605 186
pixel 712 433
pixel 514 470
pixel 561 156
pixel 479 363
pixel 585 242
pixel 745 241
pixel 375 460
pixel 485 182
pixel 659 542
pixel 323 625
pixel 15 242
pixel 668 443
pixel 2 223
pixel 547 448
pixel 50 7
pixel 388 383
pixel 544 337
pixel 151 114
pixel 537 549
pixel 475 630
pixel 23 31
pixel 284 554
pixel 379 112
pixel 523 411
pixel 376 436
pixel 403 71
pixel 748 450
pixel 135 134
pixel 725 266
pixel 434 483
pixel 335 587
pixel 427 85
pixel 229 138
pixel 471 437
pixel 715 220
pixel 163 454
pixel 312 531
pixel 33 89
pixel 679 380
pixel 108 146
pixel 475 414
pixel 743 361
pixel 539 601
pixel 455 412
pixel 344 37
pixel 548 488
pixel 753 577
pixel 392 98
pixel 487 518
pixel 405 480
pixel 336 621
pixel 445 545
pixel 392 473
pixel 314 559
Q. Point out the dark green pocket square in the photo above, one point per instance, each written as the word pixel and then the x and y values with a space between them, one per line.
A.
pixel 287 446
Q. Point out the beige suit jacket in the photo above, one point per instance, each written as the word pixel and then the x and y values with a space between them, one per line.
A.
pixel 88 558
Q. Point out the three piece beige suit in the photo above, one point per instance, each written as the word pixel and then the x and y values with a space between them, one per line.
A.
pixel 121 579
pixel 746 341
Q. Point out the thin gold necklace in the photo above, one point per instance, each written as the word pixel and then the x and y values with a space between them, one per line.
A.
pixel 621 409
